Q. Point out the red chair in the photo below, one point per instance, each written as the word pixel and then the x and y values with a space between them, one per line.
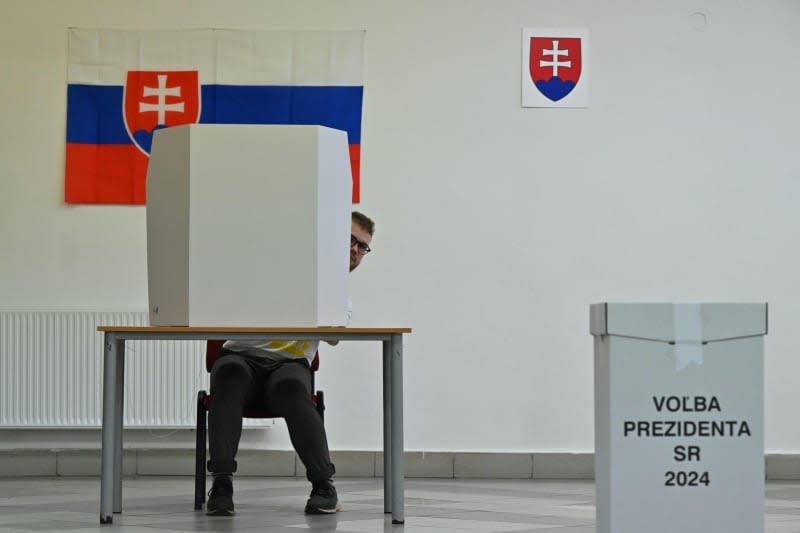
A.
pixel 213 348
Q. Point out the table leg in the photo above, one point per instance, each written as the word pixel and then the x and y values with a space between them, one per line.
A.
pixel 119 400
pixel 387 426
pixel 398 516
pixel 109 428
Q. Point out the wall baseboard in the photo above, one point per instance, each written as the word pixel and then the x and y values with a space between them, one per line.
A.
pixel 448 465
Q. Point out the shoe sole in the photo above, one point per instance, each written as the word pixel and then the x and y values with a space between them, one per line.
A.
pixel 220 512
pixel 317 510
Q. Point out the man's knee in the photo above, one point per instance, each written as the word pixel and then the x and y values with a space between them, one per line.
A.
pixel 288 394
pixel 291 387
pixel 231 375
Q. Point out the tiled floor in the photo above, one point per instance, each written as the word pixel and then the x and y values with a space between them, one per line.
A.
pixel 153 504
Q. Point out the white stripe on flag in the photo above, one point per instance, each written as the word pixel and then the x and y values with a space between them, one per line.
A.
pixel 230 57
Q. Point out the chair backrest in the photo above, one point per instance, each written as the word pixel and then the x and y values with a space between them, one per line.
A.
pixel 212 352
pixel 214 346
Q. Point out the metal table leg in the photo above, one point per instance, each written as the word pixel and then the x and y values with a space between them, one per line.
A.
pixel 398 515
pixel 119 400
pixel 387 427
pixel 109 428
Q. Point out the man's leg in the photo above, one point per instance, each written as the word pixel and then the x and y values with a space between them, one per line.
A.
pixel 288 392
pixel 232 386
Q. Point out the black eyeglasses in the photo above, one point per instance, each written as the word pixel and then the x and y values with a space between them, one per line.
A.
pixel 363 248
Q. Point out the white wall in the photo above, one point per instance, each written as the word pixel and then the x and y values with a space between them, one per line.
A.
pixel 497 226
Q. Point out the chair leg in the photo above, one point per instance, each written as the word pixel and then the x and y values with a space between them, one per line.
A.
pixel 200 453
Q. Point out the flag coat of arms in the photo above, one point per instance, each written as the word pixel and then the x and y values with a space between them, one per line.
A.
pixel 124 85
pixel 555 68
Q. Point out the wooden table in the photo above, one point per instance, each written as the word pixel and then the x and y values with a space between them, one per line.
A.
pixel 113 394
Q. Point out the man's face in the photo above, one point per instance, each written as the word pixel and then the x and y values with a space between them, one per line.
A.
pixel 360 238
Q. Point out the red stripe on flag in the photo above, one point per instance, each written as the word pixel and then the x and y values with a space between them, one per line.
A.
pixel 115 174
pixel 105 174
pixel 355 166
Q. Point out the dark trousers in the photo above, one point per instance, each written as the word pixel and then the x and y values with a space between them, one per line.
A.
pixel 284 388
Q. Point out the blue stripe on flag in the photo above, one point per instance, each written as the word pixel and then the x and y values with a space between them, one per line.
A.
pixel 94 115
pixel 332 106
pixel 94 112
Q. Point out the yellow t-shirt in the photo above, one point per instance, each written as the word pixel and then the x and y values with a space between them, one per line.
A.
pixel 280 350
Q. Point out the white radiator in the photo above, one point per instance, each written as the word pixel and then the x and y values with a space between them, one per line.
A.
pixel 51 373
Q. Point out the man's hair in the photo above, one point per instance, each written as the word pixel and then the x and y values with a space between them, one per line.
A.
pixel 364 221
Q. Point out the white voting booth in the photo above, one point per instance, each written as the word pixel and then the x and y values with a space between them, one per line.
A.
pixel 248 225
pixel 679 408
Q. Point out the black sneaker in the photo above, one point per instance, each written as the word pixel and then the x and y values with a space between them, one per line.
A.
pixel 323 499
pixel 220 498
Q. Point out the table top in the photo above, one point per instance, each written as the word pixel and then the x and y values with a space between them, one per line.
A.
pixel 237 329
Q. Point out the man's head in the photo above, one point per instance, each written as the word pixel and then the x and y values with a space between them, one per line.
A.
pixel 361 230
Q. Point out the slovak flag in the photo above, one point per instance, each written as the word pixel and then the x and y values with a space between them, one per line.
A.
pixel 125 85
pixel 555 68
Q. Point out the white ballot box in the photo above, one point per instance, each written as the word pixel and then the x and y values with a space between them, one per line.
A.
pixel 679 417
pixel 248 225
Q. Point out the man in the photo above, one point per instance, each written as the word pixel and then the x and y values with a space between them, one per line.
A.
pixel 250 372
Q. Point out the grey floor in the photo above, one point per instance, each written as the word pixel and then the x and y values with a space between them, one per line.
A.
pixel 152 504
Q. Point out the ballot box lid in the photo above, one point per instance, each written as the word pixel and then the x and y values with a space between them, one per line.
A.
pixel 675 322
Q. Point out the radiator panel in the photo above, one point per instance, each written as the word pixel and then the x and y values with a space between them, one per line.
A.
pixel 51 371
